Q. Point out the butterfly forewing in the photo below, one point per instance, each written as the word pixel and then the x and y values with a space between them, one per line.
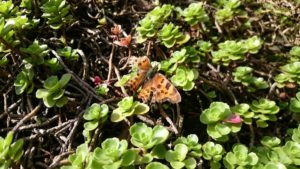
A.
pixel 143 64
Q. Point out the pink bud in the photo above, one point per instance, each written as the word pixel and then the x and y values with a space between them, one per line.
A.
pixel 234 119
pixel 97 80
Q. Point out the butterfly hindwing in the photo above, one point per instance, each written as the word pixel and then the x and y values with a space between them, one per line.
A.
pixel 159 89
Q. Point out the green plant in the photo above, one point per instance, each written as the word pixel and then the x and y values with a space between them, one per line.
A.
pixel 178 157
pixel 228 11
pixel 53 64
pixel 243 74
pixel 170 35
pixel 204 46
pixel 253 44
pixel 156 165
pixel 185 56
pixel 215 118
pixel 57 13
pixel 10 152
pixel 102 89
pixel 147 137
pixel 195 14
pixel 296 134
pixel 184 78
pixel 290 73
pixel 240 158
pixel 191 141
pixel 235 50
pixel 213 152
pixel 270 142
pixel 24 82
pixel 80 159
pixel 295 54
pixel 128 107
pixel 265 110
pixel 53 91
pixel 7 9
pixel 37 52
pixel 154 20
pixel 228 51
pixel 243 110
pixel 69 53
pixel 292 149
pixel 113 154
pixel 295 103
pixel 272 155
pixel 94 115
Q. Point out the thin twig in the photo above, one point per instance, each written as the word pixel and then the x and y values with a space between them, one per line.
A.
pixel 27 117
pixel 110 63
pixel 164 114
pixel 82 83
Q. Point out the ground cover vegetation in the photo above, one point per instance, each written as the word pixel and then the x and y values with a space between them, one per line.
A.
pixel 154 84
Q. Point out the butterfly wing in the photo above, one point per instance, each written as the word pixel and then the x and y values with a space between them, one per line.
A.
pixel 160 89
pixel 143 64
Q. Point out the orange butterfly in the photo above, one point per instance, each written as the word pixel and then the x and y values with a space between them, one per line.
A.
pixel 156 89
pixel 124 42
pixel 116 30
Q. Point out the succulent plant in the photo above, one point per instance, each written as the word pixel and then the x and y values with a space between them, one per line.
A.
pixel 11 152
pixel 295 53
pixel 154 20
pixel 296 134
pixel 170 35
pixel 213 152
pixel 243 110
pixel 178 157
pixel 102 89
pixel 147 137
pixel 229 51
pixel 243 74
pixel 292 149
pixel 265 110
pixel 195 14
pixel 295 103
pixel 191 141
pixel 235 50
pixel 128 107
pixel 184 56
pixel 113 154
pixel 290 73
pixel 215 118
pixel 240 157
pixel 270 142
pixel 69 53
pixel 37 52
pixel 184 78
pixel 57 13
pixel 53 91
pixel 24 81
pixel 94 115
pixel 253 44
pixel 228 11
pixel 204 46
pixel 156 165
pixel 80 159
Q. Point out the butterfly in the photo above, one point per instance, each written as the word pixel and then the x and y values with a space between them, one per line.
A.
pixel 157 88
pixel 116 30
pixel 124 42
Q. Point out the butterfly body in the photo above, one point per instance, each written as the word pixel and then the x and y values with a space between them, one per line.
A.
pixel 155 87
